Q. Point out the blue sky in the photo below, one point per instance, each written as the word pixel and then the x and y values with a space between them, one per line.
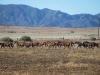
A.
pixel 68 6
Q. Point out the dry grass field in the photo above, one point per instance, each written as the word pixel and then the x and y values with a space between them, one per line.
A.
pixel 44 61
pixel 47 33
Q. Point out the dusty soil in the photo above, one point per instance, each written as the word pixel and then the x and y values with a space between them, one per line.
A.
pixel 44 61
pixel 48 33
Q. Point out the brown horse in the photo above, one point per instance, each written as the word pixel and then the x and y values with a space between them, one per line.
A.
pixel 41 44
pixel 35 44
pixel 7 44
pixel 67 44
pixel 2 45
pixel 51 44
pixel 98 44
pixel 60 44
pixel 27 44
pixel 20 44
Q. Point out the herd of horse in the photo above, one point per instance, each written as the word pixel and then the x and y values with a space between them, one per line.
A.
pixel 50 44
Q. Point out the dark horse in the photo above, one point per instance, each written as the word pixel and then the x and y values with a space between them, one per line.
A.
pixel 7 44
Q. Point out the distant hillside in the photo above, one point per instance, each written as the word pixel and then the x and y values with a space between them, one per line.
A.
pixel 23 15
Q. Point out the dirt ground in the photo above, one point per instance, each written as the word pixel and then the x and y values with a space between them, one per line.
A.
pixel 44 61
pixel 48 33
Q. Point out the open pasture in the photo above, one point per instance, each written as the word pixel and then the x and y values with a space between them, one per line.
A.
pixel 45 61
pixel 44 33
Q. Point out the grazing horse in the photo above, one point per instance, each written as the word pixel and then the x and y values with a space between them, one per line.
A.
pixel 20 44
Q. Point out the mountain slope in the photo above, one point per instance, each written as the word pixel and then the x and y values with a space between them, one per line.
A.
pixel 23 15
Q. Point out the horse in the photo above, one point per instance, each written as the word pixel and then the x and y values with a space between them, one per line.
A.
pixel 41 44
pixel 68 44
pixel 51 44
pixel 98 45
pixel 27 44
pixel 20 44
pixel 7 44
pixel 80 44
pixel 2 45
pixel 35 44
pixel 87 44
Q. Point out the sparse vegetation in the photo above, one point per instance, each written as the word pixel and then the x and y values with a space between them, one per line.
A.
pixel 46 61
pixel 6 39
pixel 71 31
pixel 93 38
pixel 25 38
pixel 11 32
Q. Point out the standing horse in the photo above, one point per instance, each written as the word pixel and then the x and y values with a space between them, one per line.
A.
pixel 98 45
pixel 35 44
pixel 68 44
pixel 27 44
pixel 7 44
pixel 51 44
pixel 80 44
pixel 87 44
pixel 41 44
pixel 20 44
pixel 2 45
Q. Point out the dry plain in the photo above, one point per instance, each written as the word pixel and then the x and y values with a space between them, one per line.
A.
pixel 45 61
pixel 47 33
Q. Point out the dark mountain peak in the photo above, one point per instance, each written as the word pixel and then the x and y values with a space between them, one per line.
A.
pixel 97 15
pixel 29 16
pixel 46 9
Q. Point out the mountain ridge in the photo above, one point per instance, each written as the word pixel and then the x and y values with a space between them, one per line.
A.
pixel 24 15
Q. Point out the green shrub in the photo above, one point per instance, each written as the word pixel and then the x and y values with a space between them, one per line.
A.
pixel 71 31
pixel 25 38
pixel 6 39
pixel 92 38
pixel 11 32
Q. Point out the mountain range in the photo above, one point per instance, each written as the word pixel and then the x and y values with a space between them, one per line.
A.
pixel 24 15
